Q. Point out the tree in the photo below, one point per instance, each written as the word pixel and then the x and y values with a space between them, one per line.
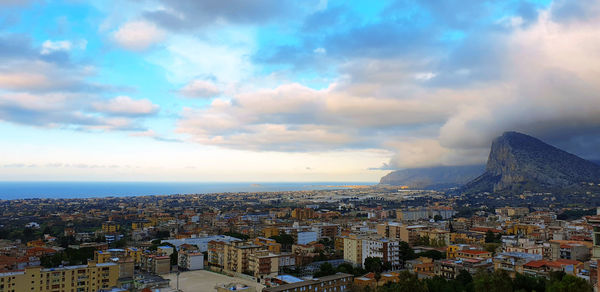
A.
pixel 498 281
pixel 464 277
pixel 432 254
pixel 490 237
pixel 325 269
pixel 407 282
pixel 174 257
pixel 405 252
pixel 438 218
pixel 529 283
pixel 373 264
pixel 285 240
pixel 570 283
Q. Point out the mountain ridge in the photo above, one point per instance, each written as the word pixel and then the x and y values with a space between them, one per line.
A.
pixel 436 178
pixel 520 162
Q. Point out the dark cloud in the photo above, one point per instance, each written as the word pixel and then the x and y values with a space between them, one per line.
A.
pixel 16 46
pixel 183 14
pixel 568 10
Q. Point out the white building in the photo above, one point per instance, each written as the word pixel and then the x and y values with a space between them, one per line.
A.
pixel 200 242
pixel 357 249
pixel 190 260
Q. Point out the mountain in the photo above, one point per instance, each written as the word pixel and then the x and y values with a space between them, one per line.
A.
pixel 518 162
pixel 439 177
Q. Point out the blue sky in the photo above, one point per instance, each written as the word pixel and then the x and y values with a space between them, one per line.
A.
pixel 287 90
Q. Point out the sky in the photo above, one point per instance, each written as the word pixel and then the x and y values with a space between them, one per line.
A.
pixel 273 90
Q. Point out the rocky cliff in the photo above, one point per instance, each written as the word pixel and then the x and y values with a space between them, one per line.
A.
pixel 519 162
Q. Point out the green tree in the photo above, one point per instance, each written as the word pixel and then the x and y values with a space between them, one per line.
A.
pixel 490 237
pixel 464 277
pixel 373 264
pixel 406 253
pixel 499 281
pixel 407 282
pixel 285 240
pixel 432 254
pixel 570 283
pixel 325 269
pixel 528 283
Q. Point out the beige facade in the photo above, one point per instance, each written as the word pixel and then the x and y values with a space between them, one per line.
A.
pixel 84 278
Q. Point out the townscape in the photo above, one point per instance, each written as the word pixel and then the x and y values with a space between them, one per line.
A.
pixel 345 239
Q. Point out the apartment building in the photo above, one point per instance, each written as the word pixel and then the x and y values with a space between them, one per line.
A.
pixel 110 227
pixel 326 230
pixel 412 214
pixel 81 278
pixel 335 283
pixel 190 258
pixel 236 255
pixel 513 262
pixel 303 213
pixel 358 248
pixel 156 264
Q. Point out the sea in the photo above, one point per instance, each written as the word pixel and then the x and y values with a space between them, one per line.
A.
pixel 66 190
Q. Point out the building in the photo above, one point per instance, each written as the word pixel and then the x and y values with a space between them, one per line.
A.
pixel 449 269
pixel 140 224
pixel 472 254
pixel 236 255
pixel 358 248
pixel 303 213
pixel 270 231
pixel 326 230
pixel 512 211
pixel 307 237
pixel 339 282
pixel 270 244
pixel 156 264
pixel 84 278
pixel 569 250
pixel 200 242
pixel 424 213
pixel 110 227
pixel 190 260
pixel 542 268
pixel 594 221
pixel 513 262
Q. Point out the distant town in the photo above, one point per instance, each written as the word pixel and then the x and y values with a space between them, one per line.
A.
pixel 379 238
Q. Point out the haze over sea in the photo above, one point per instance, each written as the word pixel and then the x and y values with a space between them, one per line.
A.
pixel 55 190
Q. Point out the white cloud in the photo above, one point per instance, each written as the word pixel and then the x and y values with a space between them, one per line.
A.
pixel 200 88
pixel 126 106
pixel 320 51
pixel 186 58
pixel 138 35
pixel 50 46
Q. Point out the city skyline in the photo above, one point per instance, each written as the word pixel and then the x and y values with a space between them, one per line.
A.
pixel 283 91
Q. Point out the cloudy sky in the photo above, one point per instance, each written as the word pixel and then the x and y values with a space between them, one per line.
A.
pixel 272 90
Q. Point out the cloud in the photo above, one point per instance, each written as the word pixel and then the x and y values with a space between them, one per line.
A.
pixel 293 117
pixel 184 15
pixel 200 88
pixel 537 76
pixel 49 46
pixel 126 106
pixel 138 35
pixel 38 89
